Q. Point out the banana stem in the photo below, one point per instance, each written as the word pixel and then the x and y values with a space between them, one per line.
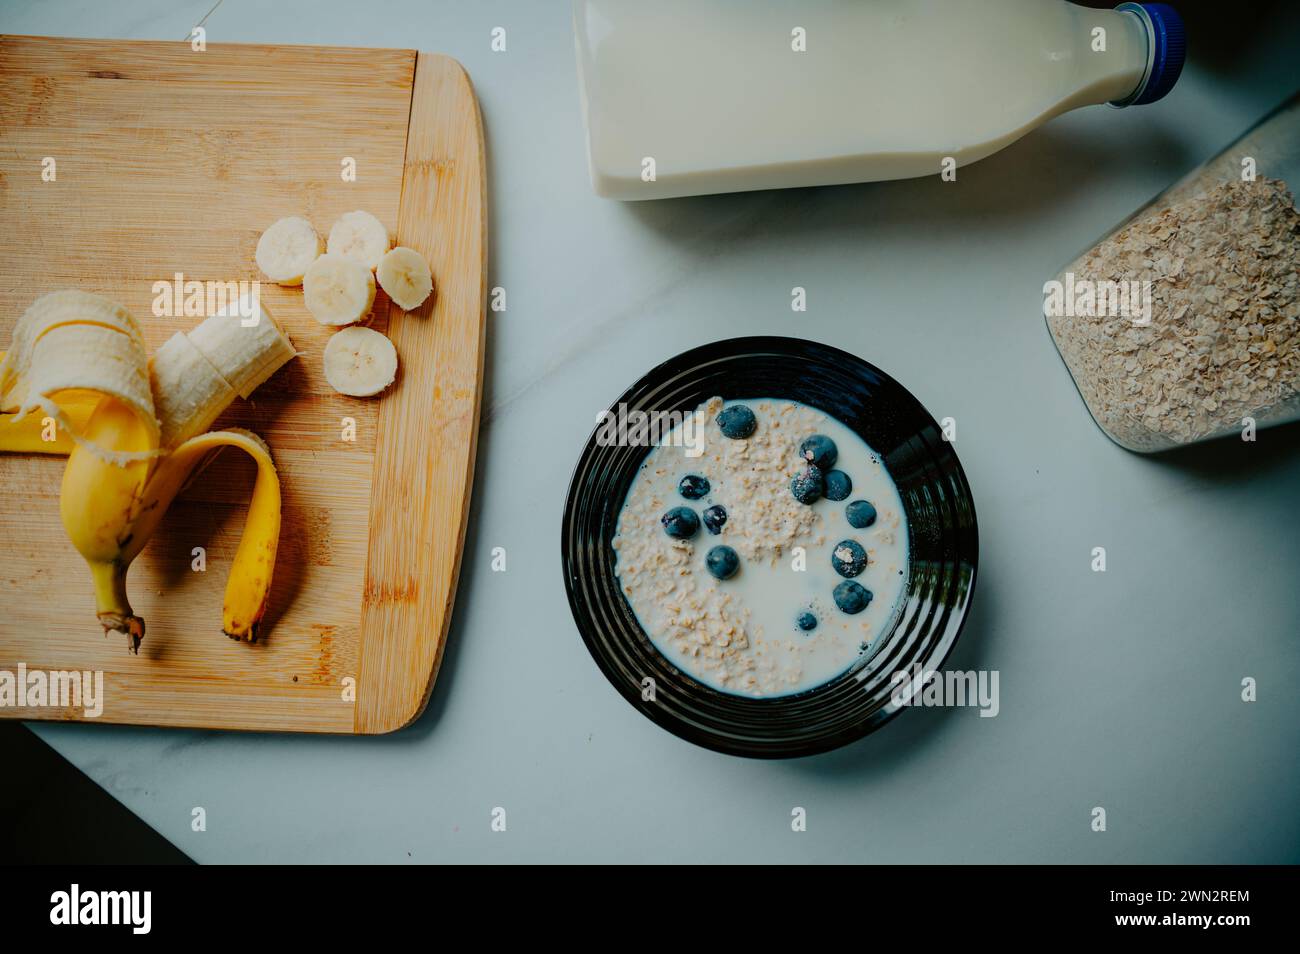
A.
pixel 112 605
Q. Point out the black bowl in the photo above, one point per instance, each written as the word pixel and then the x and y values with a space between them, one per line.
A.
pixel 942 538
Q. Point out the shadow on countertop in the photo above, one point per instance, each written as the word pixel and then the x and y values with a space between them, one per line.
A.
pixel 1219 36
pixel 54 814
pixel 1227 460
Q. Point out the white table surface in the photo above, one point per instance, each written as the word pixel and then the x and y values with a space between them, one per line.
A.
pixel 1119 690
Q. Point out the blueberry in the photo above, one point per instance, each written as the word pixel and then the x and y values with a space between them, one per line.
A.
pixel 820 451
pixel 693 486
pixel 848 558
pixel 723 562
pixel 838 485
pixel 714 518
pixel 852 597
pixel 808 485
pixel 861 514
pixel 806 621
pixel 680 522
pixel 737 422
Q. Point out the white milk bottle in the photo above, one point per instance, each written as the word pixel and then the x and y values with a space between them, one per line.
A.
pixel 685 97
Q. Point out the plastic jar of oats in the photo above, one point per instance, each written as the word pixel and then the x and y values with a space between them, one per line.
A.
pixel 1183 323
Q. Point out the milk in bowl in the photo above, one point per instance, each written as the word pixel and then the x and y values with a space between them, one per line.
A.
pixel 764 551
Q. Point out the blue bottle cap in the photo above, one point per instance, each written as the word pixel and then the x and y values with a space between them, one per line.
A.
pixel 1168 51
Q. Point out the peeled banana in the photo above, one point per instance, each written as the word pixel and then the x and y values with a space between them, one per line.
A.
pixel 189 391
pixel 197 374
pixel 133 432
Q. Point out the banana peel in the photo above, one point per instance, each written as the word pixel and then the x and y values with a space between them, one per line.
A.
pixel 249 583
pixel 32 434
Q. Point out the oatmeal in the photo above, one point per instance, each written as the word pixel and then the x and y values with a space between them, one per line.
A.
pixel 742 564
pixel 1222 344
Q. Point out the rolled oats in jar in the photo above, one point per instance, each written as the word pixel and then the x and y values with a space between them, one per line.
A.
pixel 1183 324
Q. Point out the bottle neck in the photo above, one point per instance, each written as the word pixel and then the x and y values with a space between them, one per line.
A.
pixel 1111 66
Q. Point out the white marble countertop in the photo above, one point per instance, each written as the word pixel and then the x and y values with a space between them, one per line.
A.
pixel 1119 689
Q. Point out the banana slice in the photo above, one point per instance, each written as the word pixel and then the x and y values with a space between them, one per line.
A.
pixel 286 249
pixel 361 236
pixel 404 275
pixel 338 290
pixel 360 362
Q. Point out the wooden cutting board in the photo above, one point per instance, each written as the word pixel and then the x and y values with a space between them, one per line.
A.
pixel 168 160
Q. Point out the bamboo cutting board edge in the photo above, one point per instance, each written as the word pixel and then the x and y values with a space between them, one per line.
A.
pixel 429 178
